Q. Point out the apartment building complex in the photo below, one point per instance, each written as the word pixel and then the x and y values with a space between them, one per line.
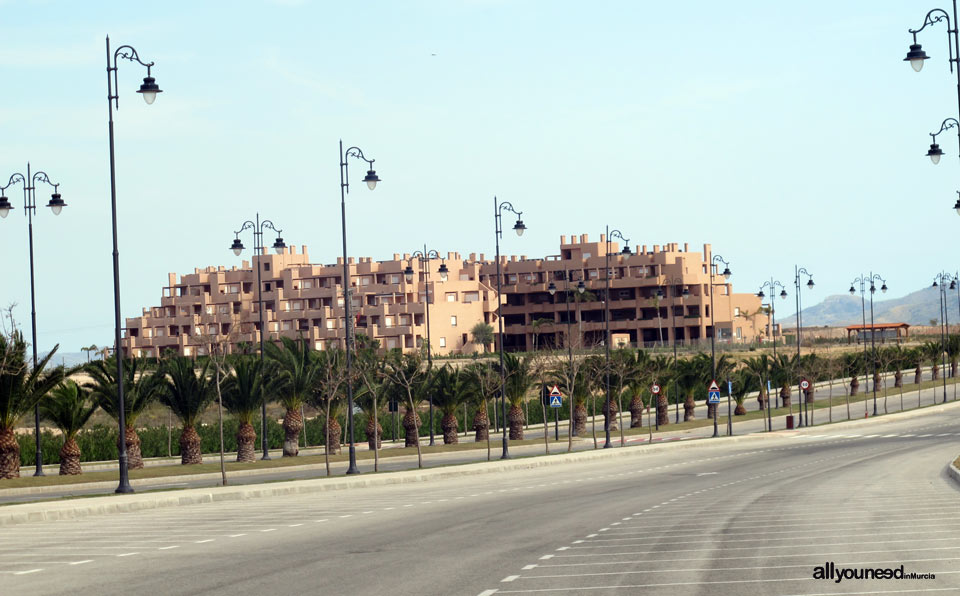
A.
pixel 647 301
pixel 305 300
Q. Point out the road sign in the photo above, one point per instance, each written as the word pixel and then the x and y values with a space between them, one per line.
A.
pixel 555 391
pixel 655 389
pixel 804 384
pixel 714 386
pixel 713 397
pixel 556 401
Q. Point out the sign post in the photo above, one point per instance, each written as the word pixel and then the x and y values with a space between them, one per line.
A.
pixel 655 390
pixel 804 416
pixel 713 398
pixel 729 416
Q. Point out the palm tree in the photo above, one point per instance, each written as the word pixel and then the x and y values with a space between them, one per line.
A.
pixel 450 388
pixel 296 376
pixel 725 366
pixel 68 407
pixel 243 395
pixel 759 367
pixel 519 379
pixel 88 349
pixel 953 353
pixel 187 392
pixel 140 389
pixel 637 384
pixel 482 334
pixel 21 389
pixel 744 381
pixel 483 384
pixel 536 327
pixel 852 363
pixel 407 371
pixel 782 373
pixel 662 373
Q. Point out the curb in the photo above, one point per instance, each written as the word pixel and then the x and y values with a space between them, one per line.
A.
pixel 72 509
pixel 953 472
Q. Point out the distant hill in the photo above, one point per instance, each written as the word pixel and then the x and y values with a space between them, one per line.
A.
pixel 916 308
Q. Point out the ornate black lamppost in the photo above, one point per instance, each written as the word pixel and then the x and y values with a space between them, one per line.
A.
pixel 606 319
pixel 863 281
pixel 424 258
pixel 715 261
pixel 258 248
pixel 371 179
pixel 56 204
pixel 772 285
pixel 148 90
pixel 797 272
pixel 943 277
pixel 519 228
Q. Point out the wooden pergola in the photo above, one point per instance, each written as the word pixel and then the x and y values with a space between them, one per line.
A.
pixel 882 328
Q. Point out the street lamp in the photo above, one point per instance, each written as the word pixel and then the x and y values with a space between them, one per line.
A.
pixel 424 258
pixel 258 249
pixel 943 278
pixel 714 262
pixel 552 289
pixel 606 318
pixel 797 272
pixel 148 90
pixel 56 204
pixel 935 152
pixel 371 179
pixel 863 281
pixel 772 285
pixel 519 228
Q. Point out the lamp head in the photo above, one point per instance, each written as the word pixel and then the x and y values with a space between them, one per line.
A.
pixel 444 272
pixel 5 206
pixel 626 250
pixel 726 273
pixel 278 245
pixel 761 295
pixel 408 273
pixel 956 206
pixel 916 56
pixel 552 288
pixel 686 292
pixel 56 203
pixel 883 288
pixel 934 153
pixel 237 246
pixel 149 89
pixel 934 284
pixel 810 283
pixel 580 287
pixel 783 293
pixel 371 179
pixel 873 289
pixel 519 228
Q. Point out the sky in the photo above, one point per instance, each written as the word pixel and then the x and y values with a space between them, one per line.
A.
pixel 780 133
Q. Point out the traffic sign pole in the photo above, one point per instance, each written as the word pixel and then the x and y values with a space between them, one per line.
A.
pixel 729 418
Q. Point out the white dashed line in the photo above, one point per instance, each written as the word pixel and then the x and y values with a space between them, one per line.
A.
pixel 509 578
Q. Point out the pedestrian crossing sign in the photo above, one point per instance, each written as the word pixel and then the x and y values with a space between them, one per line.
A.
pixel 556 401
pixel 713 397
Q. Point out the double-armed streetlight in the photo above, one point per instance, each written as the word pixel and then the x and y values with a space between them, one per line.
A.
pixel 581 288
pixel 606 318
pixel 940 281
pixel 371 179
pixel 675 281
pixel 258 249
pixel 772 285
pixel 863 281
pixel 424 258
pixel 56 204
pixel 148 90
pixel 916 57
pixel 715 261
pixel 519 228
pixel 797 272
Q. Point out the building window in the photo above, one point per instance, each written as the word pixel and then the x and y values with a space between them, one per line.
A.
pixel 736 311
pixel 739 333
pixel 453 320
pixel 364 281
pixel 266 266
pixel 391 343
pixel 307 284
pixel 388 321
pixel 330 324
pixel 451 296
pixel 471 297
pixel 186 351
pixel 443 342
pixel 287 326
pixel 394 279
pixel 404 320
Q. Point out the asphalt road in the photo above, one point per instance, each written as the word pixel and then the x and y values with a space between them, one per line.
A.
pixel 712 517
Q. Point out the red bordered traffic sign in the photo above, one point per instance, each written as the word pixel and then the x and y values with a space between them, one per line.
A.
pixel 655 389
pixel 714 386
pixel 804 384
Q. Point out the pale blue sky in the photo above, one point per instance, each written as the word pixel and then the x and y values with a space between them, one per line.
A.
pixel 779 133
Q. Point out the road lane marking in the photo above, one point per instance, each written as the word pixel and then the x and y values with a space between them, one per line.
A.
pixel 529 567
pixel 269 530
pixel 487 593
pixel 204 541
pixel 81 562
pixel 509 578
pixel 168 547
pixel 127 554
pixel 26 572
pixel 236 535
pixel 545 557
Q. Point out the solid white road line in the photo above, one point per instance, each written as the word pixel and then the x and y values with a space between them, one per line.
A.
pixel 509 578
pixel 167 547
pixel 204 541
pixel 26 572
